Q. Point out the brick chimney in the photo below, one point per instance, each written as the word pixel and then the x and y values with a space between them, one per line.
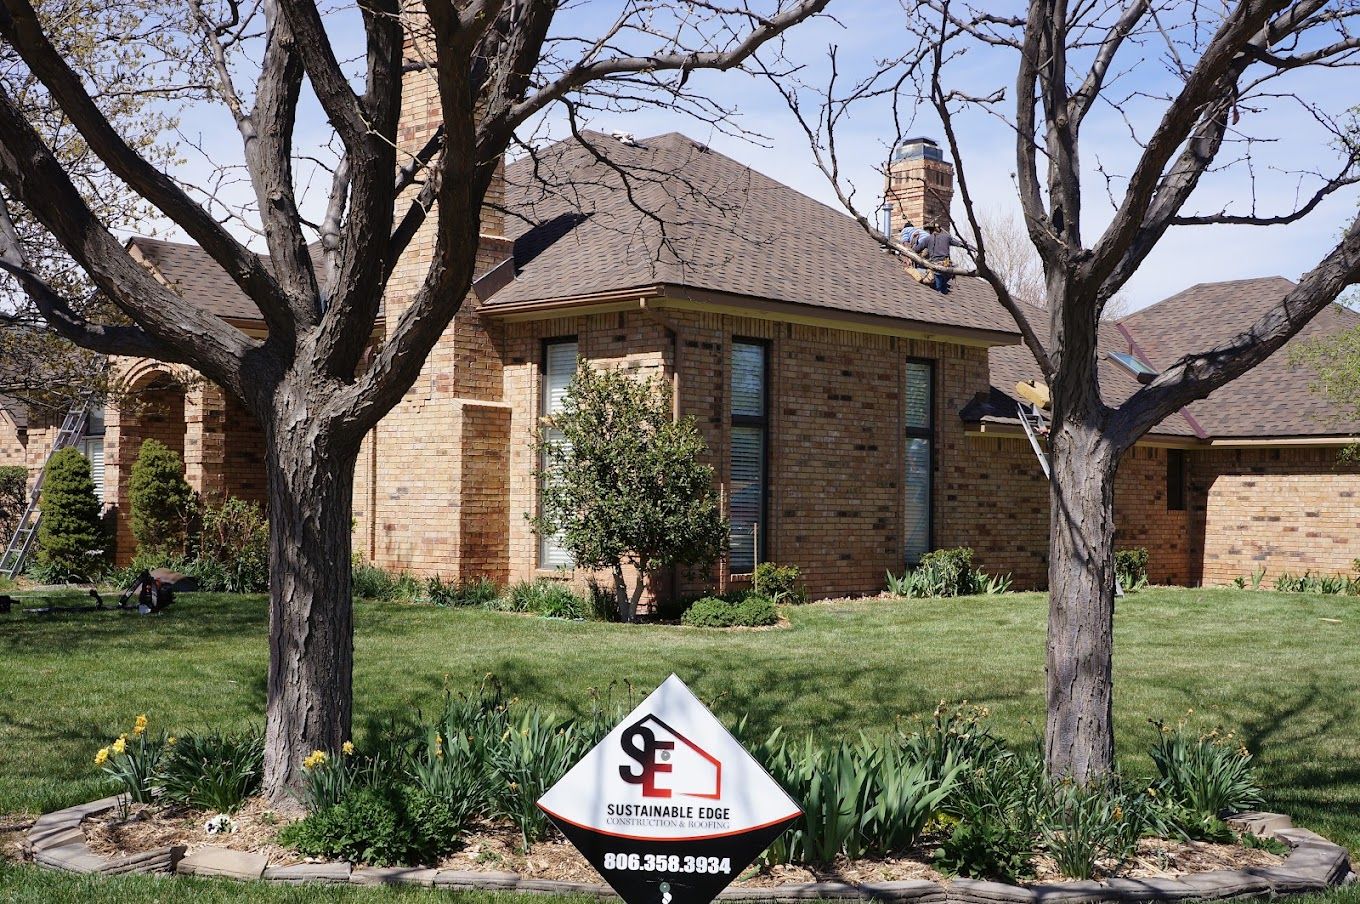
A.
pixel 420 116
pixel 920 184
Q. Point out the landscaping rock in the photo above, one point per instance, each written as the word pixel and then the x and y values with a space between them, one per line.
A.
pixel 217 861
pixel 919 891
pixel 978 891
pixel 1150 889
pixel 468 879
pixel 1081 892
pixel 56 836
pixel 299 873
pixel 70 858
pixel 1260 823
pixel 161 860
pixel 393 875
pixel 1226 884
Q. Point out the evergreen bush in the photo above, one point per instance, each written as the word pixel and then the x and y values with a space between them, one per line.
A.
pixel 71 536
pixel 160 499
pixel 751 610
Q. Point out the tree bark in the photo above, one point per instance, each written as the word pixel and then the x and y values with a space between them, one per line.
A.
pixel 1079 735
pixel 311 647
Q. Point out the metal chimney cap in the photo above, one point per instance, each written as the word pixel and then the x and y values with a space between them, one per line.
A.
pixel 919 148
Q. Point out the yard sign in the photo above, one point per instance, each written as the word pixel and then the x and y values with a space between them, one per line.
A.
pixel 669 807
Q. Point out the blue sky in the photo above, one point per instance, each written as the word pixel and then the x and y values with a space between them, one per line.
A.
pixel 865 30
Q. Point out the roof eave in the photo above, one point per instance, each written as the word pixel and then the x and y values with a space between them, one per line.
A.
pixel 676 296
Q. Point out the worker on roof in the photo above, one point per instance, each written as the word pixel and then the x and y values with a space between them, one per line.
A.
pixel 934 245
pixel 910 233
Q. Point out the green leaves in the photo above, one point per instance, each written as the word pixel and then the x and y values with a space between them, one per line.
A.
pixel 160 498
pixel 623 481
pixel 1211 774
pixel 70 536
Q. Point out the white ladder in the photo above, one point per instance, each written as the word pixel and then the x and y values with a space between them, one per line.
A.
pixel 21 542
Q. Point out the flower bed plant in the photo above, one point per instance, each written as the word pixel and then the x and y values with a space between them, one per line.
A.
pixel 945 793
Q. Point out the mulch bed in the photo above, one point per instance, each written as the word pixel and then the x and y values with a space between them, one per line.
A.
pixel 494 847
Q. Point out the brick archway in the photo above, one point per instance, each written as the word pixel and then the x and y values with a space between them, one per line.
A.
pixel 151 405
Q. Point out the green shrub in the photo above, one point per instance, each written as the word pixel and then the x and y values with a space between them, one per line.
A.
pixel 13 497
pixel 946 573
pixel 71 535
pixel 986 846
pixel 160 499
pixel 1130 566
pixel 544 597
pixel 133 761
pixel 751 610
pixel 370 582
pixel 857 797
pixel 1090 824
pixel 380 825
pixel 779 583
pixel 1210 774
pixel 475 592
pixel 955 735
pixel 1308 582
pixel 213 771
pixel 233 548
pixel 536 751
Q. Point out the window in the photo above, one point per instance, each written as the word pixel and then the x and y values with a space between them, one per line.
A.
pixel 1134 365
pixel 750 438
pixel 1175 480
pixel 919 446
pixel 559 366
pixel 92 447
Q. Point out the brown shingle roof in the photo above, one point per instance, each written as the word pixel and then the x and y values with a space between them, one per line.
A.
pixel 692 217
pixel 194 275
pixel 1012 364
pixel 1273 399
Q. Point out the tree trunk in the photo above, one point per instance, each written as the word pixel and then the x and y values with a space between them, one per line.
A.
pixel 621 593
pixel 1079 736
pixel 311 647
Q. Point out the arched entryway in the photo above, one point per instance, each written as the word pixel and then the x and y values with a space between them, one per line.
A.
pixel 149 405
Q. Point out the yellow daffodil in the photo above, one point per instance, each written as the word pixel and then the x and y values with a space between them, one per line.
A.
pixel 347 748
pixel 170 741
pixel 120 745
pixel 102 756
pixel 314 759
pixel 140 726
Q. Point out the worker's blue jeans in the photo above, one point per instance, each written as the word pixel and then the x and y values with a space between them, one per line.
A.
pixel 942 279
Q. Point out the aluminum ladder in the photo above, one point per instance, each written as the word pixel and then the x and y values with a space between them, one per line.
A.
pixel 21 542
pixel 1032 419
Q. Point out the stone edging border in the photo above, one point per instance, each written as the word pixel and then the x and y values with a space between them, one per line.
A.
pixel 57 841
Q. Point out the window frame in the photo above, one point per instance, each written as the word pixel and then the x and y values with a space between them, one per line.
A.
pixel 762 422
pixel 540 560
pixel 928 433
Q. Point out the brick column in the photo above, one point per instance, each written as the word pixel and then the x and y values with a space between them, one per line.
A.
pixel 205 440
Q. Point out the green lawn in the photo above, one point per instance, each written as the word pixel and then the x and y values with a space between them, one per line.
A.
pixel 1281 669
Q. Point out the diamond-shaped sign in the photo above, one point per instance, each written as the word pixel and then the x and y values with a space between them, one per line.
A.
pixel 669 808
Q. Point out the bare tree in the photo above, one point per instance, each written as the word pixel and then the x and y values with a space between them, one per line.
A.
pixel 1200 73
pixel 497 64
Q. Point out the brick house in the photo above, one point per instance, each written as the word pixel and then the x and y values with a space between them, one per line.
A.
pixel 854 418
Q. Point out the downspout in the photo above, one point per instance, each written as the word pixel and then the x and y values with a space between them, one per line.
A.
pixel 673 333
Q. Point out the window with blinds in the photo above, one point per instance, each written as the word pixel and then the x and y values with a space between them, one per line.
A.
pixel 919 448
pixel 92 447
pixel 746 471
pixel 559 365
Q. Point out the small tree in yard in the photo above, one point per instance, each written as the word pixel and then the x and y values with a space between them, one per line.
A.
pixel 1336 359
pixel 161 499
pixel 71 535
pixel 623 483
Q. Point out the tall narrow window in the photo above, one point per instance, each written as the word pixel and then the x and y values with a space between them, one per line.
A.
pixel 1175 480
pixel 920 457
pixel 559 365
pixel 750 428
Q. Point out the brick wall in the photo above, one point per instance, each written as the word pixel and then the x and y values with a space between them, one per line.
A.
pixel 1288 509
pixel 13 448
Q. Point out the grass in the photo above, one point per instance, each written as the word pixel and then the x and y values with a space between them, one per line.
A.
pixel 1278 668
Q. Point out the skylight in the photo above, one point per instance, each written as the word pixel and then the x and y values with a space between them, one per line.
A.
pixel 1136 366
